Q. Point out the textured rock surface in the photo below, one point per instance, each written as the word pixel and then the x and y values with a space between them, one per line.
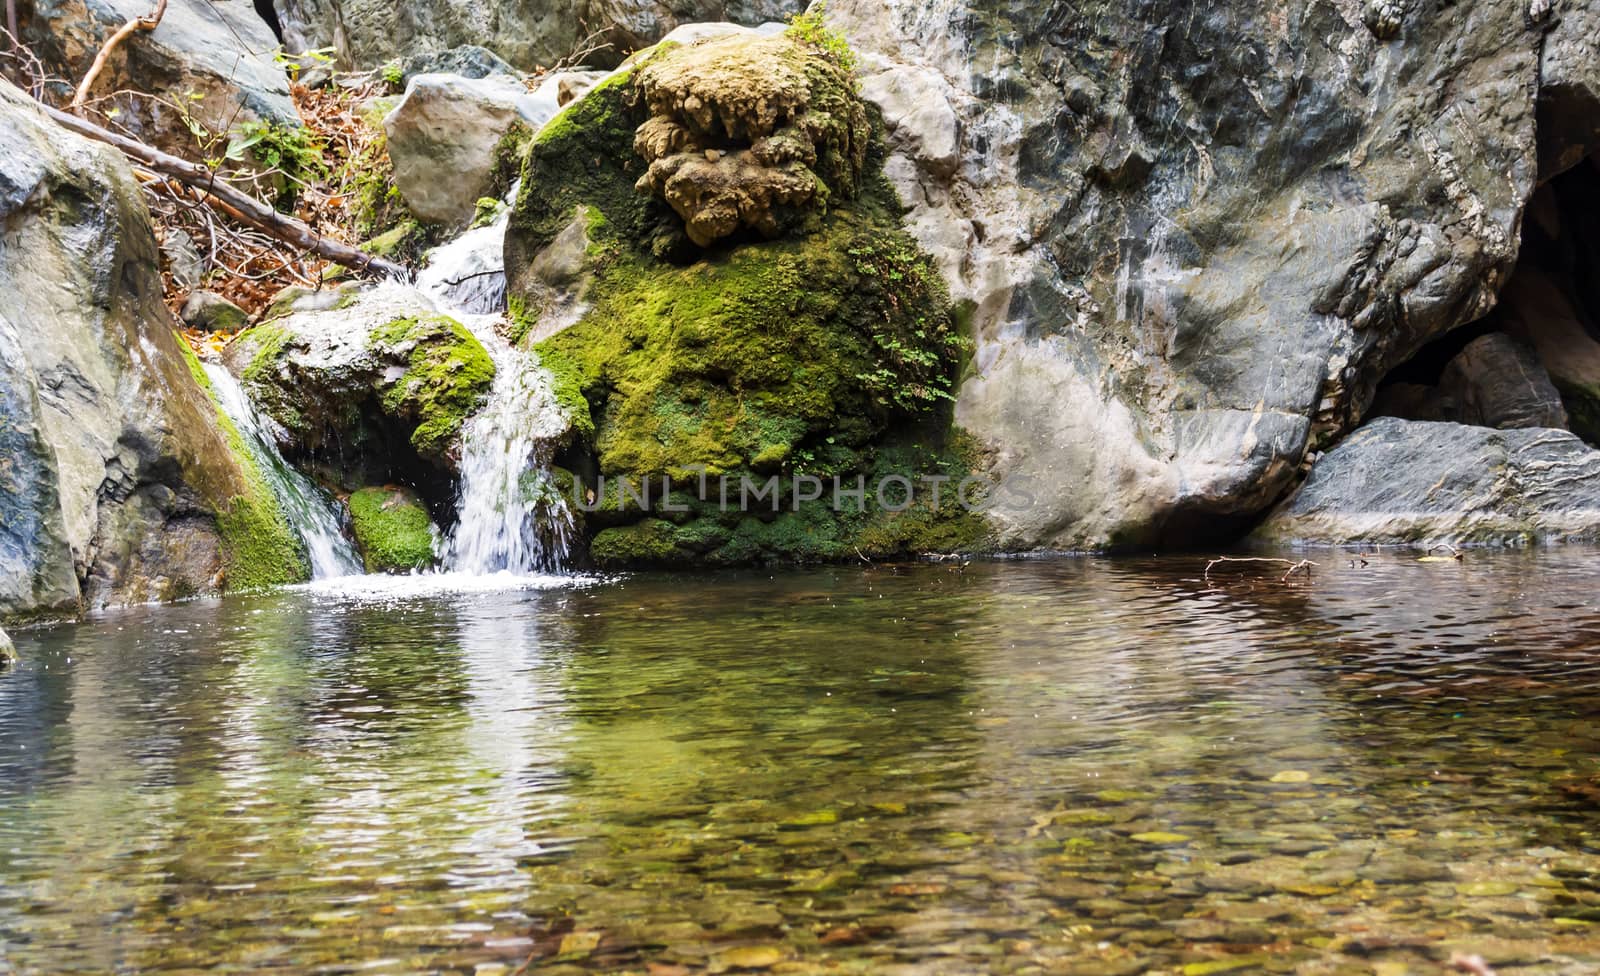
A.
pixel 8 650
pixel 115 467
pixel 748 132
pixel 1397 481
pixel 210 312
pixel 210 60
pixel 370 385
pixel 1194 240
pixel 527 33
pixel 446 136
pixel 1498 382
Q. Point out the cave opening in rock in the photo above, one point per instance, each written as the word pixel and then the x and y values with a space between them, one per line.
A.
pixel 1535 360
pixel 269 14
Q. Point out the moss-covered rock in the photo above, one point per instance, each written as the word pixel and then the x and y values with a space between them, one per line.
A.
pixel 392 528
pixel 823 346
pixel 368 385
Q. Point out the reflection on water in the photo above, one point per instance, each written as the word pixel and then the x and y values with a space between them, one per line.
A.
pixel 1084 766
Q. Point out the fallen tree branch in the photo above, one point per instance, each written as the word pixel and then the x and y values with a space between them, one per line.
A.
pixel 146 23
pixel 1303 566
pixel 233 202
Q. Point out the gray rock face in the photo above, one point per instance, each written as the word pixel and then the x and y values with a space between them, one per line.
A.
pixel 1498 382
pixel 527 33
pixel 1397 481
pixel 210 60
pixel 446 141
pixel 1194 240
pixel 113 461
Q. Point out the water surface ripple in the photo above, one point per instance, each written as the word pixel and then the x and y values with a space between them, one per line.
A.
pixel 1076 766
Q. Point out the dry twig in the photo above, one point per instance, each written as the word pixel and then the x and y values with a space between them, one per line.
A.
pixel 146 23
pixel 1303 566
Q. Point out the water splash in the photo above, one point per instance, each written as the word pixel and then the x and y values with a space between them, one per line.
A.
pixel 511 516
pixel 311 513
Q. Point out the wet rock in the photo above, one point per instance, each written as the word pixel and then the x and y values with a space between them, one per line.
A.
pixel 372 385
pixel 118 484
pixel 216 57
pixel 454 140
pixel 210 312
pixel 1397 481
pixel 1401 869
pixel 527 33
pixel 8 650
pixel 1498 382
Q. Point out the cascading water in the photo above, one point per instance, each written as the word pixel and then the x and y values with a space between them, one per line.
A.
pixel 511 517
pixel 308 509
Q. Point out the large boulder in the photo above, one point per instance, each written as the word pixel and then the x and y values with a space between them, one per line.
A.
pixel 1398 481
pixel 1194 240
pixel 455 140
pixel 118 481
pixel 369 385
pixel 694 330
pixel 527 33
pixel 1498 382
pixel 1540 311
pixel 210 63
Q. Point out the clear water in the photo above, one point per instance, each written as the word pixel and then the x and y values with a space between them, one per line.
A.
pixel 1080 766
pixel 311 513
pixel 510 516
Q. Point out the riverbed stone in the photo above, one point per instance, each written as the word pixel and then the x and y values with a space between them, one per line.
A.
pixel 121 483
pixel 392 528
pixel 1397 481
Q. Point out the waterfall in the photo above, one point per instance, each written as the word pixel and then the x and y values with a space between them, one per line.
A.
pixel 311 513
pixel 511 515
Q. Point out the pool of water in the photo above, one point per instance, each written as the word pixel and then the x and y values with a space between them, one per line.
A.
pixel 1085 766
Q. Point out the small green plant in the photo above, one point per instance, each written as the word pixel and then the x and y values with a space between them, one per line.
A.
pixel 291 152
pixel 914 364
pixel 392 74
pixel 808 28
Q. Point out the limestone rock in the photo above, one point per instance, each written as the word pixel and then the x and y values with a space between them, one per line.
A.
pixel 117 479
pixel 452 142
pixel 210 312
pixel 1397 481
pixel 1498 382
pixel 467 61
pixel 527 33
pixel 208 61
pixel 748 131
pixel 1185 274
pixel 369 384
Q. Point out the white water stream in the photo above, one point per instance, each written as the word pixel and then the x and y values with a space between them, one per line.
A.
pixel 510 515
pixel 310 512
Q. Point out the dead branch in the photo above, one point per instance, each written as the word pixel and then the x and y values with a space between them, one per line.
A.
pixel 1303 566
pixel 146 23
pixel 233 202
pixel 590 45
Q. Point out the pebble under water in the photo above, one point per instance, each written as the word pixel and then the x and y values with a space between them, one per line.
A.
pixel 1084 766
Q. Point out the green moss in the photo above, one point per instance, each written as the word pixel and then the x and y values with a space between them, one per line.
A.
pixel 392 529
pixel 447 377
pixel 567 384
pixel 642 543
pixel 401 241
pixel 833 351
